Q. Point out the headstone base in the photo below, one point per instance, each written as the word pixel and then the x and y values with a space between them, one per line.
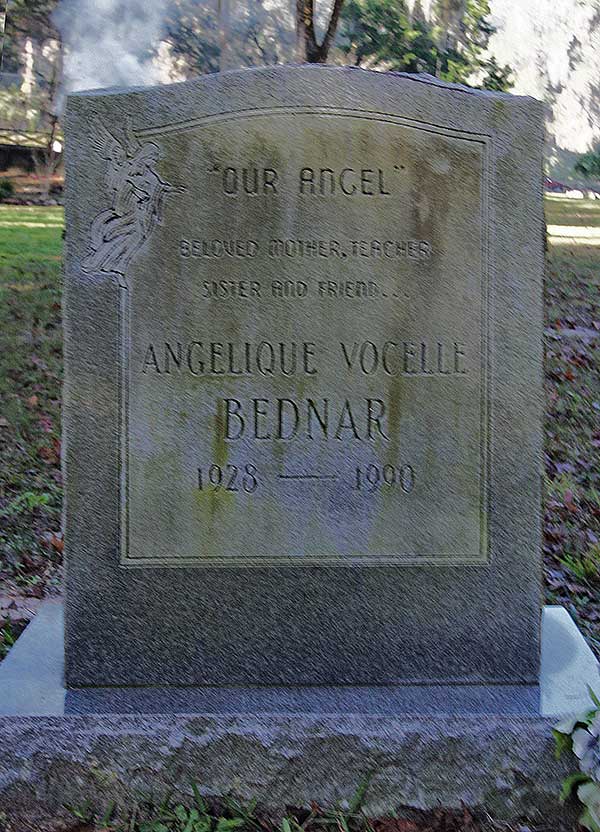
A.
pixel 425 745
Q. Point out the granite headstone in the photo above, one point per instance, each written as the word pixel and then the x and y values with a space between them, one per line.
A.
pixel 303 382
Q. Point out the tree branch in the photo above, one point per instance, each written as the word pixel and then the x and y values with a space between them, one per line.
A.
pixel 305 30
pixel 331 29
pixel 308 47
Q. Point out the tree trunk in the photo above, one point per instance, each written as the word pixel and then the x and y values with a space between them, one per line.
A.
pixel 47 159
pixel 224 18
pixel 309 49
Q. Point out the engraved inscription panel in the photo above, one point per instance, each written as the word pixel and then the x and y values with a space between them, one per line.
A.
pixel 304 346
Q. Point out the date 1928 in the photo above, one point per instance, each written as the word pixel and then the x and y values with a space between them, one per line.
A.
pixel 228 478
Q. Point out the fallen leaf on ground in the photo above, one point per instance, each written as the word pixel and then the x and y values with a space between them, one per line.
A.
pixel 57 542
pixel 46 424
pixel 569 502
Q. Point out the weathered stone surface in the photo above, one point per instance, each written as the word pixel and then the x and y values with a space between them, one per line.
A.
pixel 366 512
pixel 506 764
pixel 428 745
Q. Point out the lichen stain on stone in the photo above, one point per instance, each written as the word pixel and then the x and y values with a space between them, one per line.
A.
pixel 220 449
pixel 300 383
pixel 378 534
pixel 499 111
pixel 210 499
pixel 261 152
pixel 395 399
pixel 279 454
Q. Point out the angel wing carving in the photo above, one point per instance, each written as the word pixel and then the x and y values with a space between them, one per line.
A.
pixel 137 196
pixel 112 151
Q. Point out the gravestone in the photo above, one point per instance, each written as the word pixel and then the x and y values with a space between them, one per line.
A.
pixel 303 382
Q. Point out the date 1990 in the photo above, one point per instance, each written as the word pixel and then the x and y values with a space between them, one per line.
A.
pixel 366 478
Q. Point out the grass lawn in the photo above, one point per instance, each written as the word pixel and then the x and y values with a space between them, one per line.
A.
pixel 572 504
pixel 30 389
pixel 30 378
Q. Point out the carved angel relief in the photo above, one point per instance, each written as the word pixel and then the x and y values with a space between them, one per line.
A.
pixel 137 194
